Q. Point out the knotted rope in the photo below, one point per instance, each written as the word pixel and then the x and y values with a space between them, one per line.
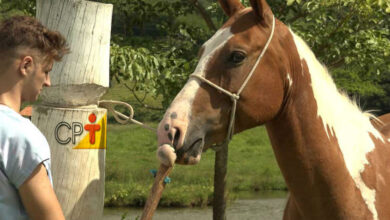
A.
pixel 119 117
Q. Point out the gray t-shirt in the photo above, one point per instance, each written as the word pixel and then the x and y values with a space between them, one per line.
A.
pixel 22 148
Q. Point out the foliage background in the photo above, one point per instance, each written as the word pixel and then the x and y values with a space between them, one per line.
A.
pixel 351 37
pixel 155 43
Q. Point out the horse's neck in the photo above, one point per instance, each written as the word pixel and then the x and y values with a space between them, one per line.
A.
pixel 320 139
pixel 310 160
pixel 312 164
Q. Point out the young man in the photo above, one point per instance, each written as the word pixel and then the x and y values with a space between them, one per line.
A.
pixel 27 53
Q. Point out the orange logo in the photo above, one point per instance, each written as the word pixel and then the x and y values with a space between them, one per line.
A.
pixel 91 135
pixel 96 134
pixel 92 128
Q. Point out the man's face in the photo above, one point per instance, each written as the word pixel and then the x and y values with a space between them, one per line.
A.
pixel 37 78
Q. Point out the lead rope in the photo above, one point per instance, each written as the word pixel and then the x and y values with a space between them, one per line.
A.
pixel 119 117
pixel 235 97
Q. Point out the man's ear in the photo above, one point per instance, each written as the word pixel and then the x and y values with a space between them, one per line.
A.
pixel 26 65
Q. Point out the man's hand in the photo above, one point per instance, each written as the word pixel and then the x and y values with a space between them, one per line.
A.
pixel 38 196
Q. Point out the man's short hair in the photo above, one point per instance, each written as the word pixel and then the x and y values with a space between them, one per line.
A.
pixel 26 31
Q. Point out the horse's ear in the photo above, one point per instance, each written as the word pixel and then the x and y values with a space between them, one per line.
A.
pixel 261 8
pixel 230 7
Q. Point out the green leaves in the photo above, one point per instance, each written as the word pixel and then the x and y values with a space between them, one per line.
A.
pixel 384 4
pixel 388 8
pixel 155 44
pixel 290 2
pixel 20 7
pixel 350 37
pixel 157 74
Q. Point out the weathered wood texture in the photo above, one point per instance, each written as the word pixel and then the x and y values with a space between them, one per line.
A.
pixel 156 192
pixel 83 75
pixel 65 113
pixel 78 174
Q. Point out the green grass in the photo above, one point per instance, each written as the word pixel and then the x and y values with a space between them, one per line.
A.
pixel 131 153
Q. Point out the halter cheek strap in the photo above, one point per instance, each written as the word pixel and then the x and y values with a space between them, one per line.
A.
pixel 236 96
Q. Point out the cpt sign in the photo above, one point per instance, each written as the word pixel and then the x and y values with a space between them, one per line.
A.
pixel 77 129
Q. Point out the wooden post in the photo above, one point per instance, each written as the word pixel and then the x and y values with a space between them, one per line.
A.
pixel 68 115
pixel 220 175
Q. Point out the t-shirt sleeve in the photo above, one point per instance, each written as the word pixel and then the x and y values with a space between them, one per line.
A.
pixel 23 153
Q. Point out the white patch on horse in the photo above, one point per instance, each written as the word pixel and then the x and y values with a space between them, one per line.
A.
pixel 290 82
pixel 211 46
pixel 183 101
pixel 345 120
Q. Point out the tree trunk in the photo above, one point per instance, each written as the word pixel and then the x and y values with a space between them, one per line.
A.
pixel 83 75
pixel 68 115
pixel 204 14
pixel 220 174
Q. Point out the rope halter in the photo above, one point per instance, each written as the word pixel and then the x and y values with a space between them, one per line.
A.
pixel 236 96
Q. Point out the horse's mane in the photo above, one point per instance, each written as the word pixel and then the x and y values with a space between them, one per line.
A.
pixel 342 117
pixel 324 88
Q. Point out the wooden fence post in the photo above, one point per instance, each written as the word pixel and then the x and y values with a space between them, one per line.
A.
pixel 220 176
pixel 68 115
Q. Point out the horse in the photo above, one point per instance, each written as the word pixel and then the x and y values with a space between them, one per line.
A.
pixel 335 158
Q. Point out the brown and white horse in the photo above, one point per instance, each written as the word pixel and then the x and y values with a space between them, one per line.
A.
pixel 334 159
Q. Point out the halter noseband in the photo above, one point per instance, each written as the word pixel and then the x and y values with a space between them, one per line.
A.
pixel 235 96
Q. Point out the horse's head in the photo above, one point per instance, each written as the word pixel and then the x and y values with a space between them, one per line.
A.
pixel 199 115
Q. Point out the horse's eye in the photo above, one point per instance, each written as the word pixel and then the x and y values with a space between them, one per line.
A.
pixel 237 57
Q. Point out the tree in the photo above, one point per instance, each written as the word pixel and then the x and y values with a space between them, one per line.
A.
pixel 20 7
pixel 153 52
pixel 350 37
pixel 159 40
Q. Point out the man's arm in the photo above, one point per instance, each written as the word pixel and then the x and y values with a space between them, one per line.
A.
pixel 38 196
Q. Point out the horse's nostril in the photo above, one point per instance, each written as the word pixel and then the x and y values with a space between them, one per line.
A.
pixel 176 138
